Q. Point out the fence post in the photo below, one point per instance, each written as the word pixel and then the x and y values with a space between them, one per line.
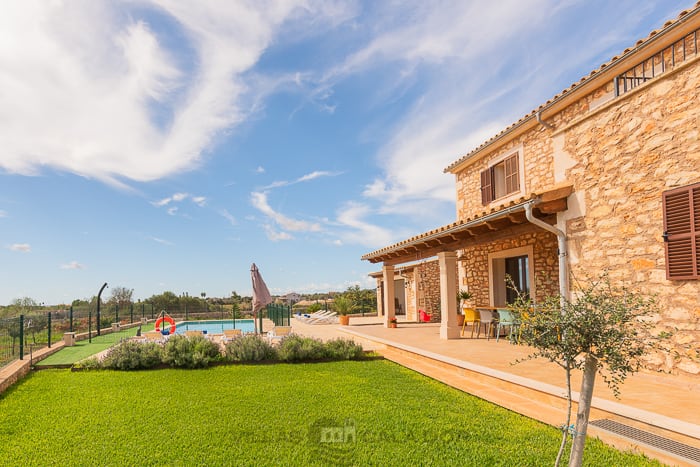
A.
pixel 70 314
pixel 260 318
pixel 90 327
pixel 49 321
pixel 21 337
pixel 131 312
pixel 116 313
pixel 187 315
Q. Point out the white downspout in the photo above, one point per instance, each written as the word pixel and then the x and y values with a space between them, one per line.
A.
pixel 561 238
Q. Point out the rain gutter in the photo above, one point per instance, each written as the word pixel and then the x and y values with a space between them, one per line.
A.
pixel 562 247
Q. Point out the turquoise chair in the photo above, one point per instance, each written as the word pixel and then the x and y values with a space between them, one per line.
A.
pixel 506 318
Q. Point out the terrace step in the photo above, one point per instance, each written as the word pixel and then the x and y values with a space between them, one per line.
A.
pixel 547 407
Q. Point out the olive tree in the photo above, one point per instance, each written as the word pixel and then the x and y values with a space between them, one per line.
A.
pixel 604 330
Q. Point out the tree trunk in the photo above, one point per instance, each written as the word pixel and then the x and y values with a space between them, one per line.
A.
pixel 584 410
pixel 565 429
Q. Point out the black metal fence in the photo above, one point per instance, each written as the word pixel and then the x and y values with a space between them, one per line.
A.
pixel 279 314
pixel 9 340
pixel 24 334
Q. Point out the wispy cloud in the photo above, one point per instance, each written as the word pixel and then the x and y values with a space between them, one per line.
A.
pixel 357 230
pixel 162 241
pixel 228 216
pixel 275 235
pixel 200 201
pixel 21 247
pixel 304 178
pixel 259 201
pixel 73 265
pixel 470 72
pixel 104 69
pixel 3 213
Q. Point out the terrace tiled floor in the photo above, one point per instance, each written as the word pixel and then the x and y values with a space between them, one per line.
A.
pixel 661 404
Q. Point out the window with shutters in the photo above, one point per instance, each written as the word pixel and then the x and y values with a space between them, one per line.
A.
pixel 681 209
pixel 501 179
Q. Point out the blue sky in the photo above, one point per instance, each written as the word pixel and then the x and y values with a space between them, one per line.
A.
pixel 167 145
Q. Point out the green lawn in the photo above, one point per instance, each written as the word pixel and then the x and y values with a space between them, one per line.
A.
pixel 83 349
pixel 267 415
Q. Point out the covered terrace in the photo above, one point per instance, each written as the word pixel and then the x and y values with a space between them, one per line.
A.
pixel 536 214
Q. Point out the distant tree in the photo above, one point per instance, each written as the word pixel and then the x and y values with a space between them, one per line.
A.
pixel 35 324
pixel 165 301
pixel 363 299
pixel 235 310
pixel 121 296
pixel 23 306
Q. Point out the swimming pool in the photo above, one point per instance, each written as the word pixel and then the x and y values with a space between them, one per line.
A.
pixel 215 326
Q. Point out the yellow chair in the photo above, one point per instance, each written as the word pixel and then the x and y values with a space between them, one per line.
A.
pixel 153 336
pixel 470 316
pixel 230 334
pixel 278 332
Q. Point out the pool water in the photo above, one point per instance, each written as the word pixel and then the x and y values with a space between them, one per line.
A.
pixel 215 326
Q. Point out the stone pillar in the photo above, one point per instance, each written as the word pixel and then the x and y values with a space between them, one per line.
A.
pixel 380 299
pixel 449 329
pixel 389 310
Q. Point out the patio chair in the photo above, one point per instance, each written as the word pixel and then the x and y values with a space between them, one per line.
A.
pixel 153 336
pixel 193 333
pixel 231 334
pixel 487 319
pixel 423 317
pixel 278 332
pixel 330 318
pixel 472 317
pixel 313 316
pixel 506 318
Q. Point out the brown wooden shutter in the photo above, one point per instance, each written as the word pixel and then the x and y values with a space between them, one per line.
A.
pixel 512 176
pixel 487 186
pixel 682 232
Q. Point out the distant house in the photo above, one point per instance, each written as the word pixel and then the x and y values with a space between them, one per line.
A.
pixel 603 176
pixel 291 298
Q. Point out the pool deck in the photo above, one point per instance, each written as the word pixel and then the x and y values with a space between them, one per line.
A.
pixel 667 407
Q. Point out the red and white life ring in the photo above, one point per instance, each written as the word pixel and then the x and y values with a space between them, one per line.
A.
pixel 167 319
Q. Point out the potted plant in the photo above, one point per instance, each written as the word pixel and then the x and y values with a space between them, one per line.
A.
pixel 343 306
pixel 392 323
pixel 462 296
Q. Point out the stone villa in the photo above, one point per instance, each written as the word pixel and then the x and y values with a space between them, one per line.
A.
pixel 603 176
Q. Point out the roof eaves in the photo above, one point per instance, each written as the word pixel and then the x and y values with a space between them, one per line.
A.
pixel 591 77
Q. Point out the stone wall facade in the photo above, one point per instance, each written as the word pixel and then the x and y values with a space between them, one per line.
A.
pixel 626 157
pixel 428 289
pixel 620 154
pixel 474 266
